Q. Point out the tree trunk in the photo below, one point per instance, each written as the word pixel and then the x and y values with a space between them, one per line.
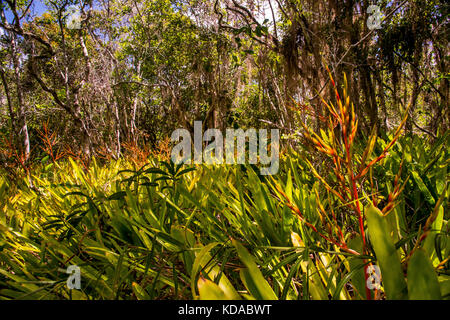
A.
pixel 23 137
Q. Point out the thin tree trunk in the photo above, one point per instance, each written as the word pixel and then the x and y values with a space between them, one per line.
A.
pixel 21 115
pixel 12 115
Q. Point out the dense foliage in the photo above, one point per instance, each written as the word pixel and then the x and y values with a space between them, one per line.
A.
pixel 153 230
pixel 357 210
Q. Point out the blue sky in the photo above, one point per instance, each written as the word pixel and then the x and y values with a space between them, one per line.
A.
pixel 38 8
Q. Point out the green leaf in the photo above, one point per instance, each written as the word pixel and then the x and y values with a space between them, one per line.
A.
pixel 209 290
pixel 252 276
pixel 423 188
pixel 210 268
pixel 429 244
pixel 356 267
pixel 139 292
pixel 387 256
pixel 423 282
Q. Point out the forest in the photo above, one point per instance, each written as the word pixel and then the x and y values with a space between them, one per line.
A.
pixel 337 188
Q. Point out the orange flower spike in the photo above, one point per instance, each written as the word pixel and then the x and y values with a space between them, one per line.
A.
pixel 387 208
pixel 330 107
pixel 353 133
pixel 319 140
pixel 333 153
pixel 390 197
pixel 329 74
pixel 340 176
pixel 334 85
pixel 347 118
pixel 347 104
pixel 338 98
